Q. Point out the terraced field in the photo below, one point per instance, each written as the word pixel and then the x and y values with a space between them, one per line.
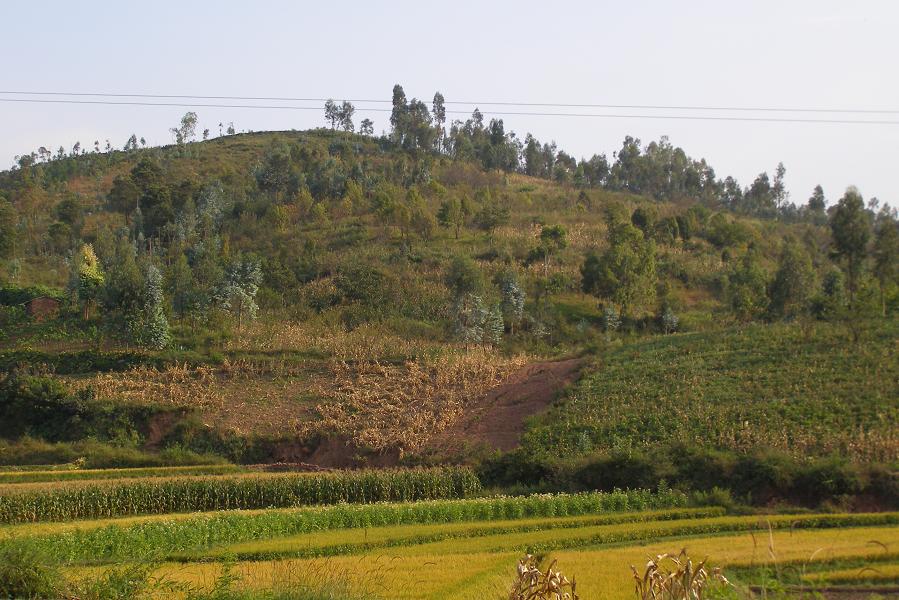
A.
pixel 466 548
pixel 475 561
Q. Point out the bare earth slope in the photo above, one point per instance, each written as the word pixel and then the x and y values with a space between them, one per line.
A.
pixel 496 421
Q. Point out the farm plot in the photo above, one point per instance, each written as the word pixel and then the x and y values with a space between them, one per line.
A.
pixel 23 503
pixel 459 548
pixel 482 567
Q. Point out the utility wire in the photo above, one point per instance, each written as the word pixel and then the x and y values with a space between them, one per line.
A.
pixel 461 112
pixel 468 103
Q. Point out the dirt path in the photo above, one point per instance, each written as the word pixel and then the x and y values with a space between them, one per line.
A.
pixel 496 421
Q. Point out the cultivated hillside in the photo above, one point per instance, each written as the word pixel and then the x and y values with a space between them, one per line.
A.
pixel 342 299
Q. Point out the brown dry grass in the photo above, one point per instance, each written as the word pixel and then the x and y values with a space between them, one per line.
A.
pixel 383 406
pixel 368 342
pixel 189 385
pixel 178 385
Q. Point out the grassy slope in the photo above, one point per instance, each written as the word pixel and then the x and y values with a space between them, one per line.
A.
pixel 768 386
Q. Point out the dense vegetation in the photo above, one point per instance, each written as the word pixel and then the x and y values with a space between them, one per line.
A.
pixel 257 296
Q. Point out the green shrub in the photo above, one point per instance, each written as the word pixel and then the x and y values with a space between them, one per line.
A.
pixel 757 478
pixel 762 477
pixel 92 454
pixel 26 574
pixel 83 361
pixel 12 295
pixel 620 470
pixel 43 407
pixel 829 478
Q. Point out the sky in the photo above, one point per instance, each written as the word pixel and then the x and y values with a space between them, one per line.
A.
pixel 785 53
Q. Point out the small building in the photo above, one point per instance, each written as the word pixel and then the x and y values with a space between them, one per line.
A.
pixel 42 308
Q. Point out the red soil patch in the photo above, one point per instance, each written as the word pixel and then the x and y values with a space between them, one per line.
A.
pixel 160 425
pixel 496 421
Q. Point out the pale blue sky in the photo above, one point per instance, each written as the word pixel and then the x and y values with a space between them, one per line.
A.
pixel 762 53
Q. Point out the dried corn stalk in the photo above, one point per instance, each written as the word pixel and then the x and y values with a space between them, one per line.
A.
pixel 381 406
pixel 533 584
pixel 675 577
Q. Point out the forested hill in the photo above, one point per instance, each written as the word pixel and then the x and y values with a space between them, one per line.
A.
pixel 342 298
pixel 465 232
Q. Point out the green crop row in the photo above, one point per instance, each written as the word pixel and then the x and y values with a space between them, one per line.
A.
pixel 55 475
pixel 658 530
pixel 158 538
pixel 193 494
pixel 359 541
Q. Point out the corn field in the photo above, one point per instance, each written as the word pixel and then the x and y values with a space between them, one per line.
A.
pixel 184 535
pixel 192 494
pixel 187 385
pixel 382 406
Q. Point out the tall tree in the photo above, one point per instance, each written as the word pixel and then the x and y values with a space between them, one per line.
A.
pixel 850 228
pixel 553 239
pixel 149 326
pixel 8 226
pixel 779 188
pixel 180 283
pixel 793 282
pixel 626 272
pixel 745 287
pixel 187 130
pixel 816 206
pixel 87 279
pixel 345 114
pixel 438 110
pixel 451 215
pixel 398 115
pixel 464 277
pixel 512 298
pixel 332 113
pixel 886 255
pixel 237 294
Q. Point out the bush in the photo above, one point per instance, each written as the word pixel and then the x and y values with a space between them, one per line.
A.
pixel 701 469
pixel 620 471
pixel 74 363
pixel 42 406
pixel 12 295
pixel 516 468
pixel 716 477
pixel 829 478
pixel 25 574
pixel 92 454
pixel 762 478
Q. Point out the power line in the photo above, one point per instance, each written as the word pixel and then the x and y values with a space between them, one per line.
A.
pixel 461 112
pixel 471 103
